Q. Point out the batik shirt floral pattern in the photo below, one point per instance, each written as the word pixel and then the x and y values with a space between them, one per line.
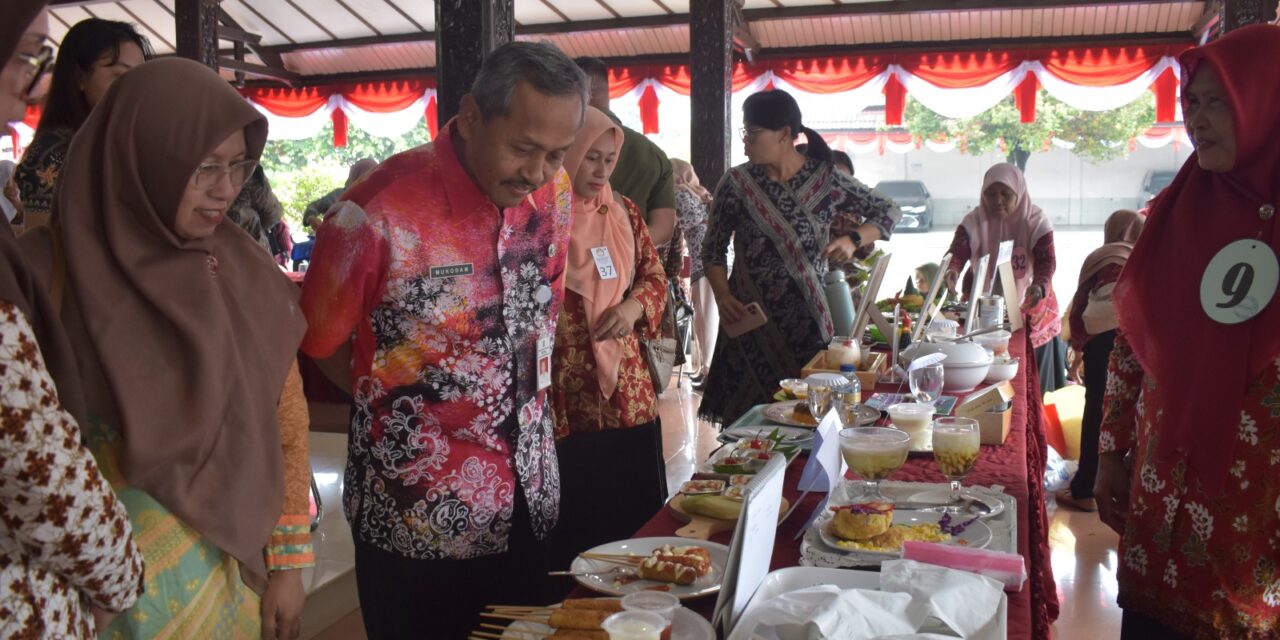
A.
pixel 448 298
pixel 65 540
pixel 1206 566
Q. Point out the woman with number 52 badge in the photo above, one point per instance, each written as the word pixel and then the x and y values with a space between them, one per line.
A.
pixel 1189 471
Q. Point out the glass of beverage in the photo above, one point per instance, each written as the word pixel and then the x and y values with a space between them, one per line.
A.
pixel 956 444
pixel 926 382
pixel 874 453
pixel 821 397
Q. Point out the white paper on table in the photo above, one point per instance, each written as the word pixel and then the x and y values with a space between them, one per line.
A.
pixel 973 606
pixel 751 551
pixel 825 466
pixel 827 611
pixel 912 599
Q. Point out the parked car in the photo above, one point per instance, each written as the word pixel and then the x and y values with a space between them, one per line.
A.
pixel 913 198
pixel 1153 184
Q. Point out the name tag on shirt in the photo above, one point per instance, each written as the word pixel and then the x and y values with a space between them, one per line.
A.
pixel 545 344
pixel 452 271
pixel 604 263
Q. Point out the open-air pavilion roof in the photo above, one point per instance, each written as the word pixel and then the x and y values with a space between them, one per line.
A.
pixel 337 40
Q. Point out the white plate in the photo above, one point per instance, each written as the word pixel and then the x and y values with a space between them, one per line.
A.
pixel 790 435
pixel 942 497
pixel 703 586
pixel 784 413
pixel 686 625
pixel 975 536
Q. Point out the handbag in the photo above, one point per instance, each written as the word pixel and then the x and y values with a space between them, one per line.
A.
pixel 662 353
pixel 1100 313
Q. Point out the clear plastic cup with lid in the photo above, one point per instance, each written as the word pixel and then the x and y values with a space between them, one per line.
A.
pixel 659 602
pixel 634 625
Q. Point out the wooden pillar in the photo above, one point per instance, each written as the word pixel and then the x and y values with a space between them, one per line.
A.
pixel 466 31
pixel 711 43
pixel 196 22
pixel 1242 13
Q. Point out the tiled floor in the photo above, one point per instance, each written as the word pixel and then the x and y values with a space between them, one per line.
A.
pixel 1084 549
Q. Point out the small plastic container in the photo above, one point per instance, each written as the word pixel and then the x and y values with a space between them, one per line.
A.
pixel 914 418
pixel 997 342
pixel 634 625
pixel 661 603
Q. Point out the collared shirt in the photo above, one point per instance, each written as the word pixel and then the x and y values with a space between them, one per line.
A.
pixel 447 297
pixel 643 172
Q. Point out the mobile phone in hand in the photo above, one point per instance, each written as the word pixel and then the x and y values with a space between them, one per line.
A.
pixel 752 320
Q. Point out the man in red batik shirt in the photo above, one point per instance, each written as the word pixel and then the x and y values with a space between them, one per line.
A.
pixel 442 272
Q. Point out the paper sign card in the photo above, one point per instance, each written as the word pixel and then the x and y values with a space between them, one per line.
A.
pixel 751 551
pixel 1012 301
pixel 825 465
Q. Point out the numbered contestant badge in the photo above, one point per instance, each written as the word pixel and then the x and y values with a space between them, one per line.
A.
pixel 1239 282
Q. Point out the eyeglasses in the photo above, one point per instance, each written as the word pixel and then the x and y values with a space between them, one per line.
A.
pixel 749 132
pixel 208 175
pixel 41 64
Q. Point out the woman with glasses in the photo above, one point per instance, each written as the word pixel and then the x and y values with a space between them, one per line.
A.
pixel 92 55
pixel 787 214
pixel 186 333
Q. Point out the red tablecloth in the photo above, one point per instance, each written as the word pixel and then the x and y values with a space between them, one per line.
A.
pixel 1018 465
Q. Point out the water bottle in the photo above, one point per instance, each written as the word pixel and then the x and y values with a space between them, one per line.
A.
pixel 840 301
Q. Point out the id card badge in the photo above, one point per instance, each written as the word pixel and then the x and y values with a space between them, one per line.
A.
pixel 604 263
pixel 1239 282
pixel 545 344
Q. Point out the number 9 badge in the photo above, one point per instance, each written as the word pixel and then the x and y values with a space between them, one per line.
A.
pixel 1239 282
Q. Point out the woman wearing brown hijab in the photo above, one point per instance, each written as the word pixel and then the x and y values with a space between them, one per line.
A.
pixel 66 555
pixel 186 333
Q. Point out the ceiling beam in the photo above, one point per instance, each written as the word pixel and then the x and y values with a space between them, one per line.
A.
pixel 268 57
pixel 259 70
pixel 237 35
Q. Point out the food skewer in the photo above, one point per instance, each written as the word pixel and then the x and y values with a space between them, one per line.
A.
pixel 514 618
pixel 617 558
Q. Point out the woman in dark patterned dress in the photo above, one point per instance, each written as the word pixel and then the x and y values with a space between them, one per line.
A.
pixel 786 214
pixel 92 55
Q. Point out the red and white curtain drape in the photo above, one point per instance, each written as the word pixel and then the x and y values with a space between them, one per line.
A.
pixel 954 84
pixel 384 109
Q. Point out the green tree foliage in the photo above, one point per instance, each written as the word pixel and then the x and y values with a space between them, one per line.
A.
pixel 302 171
pixel 1098 136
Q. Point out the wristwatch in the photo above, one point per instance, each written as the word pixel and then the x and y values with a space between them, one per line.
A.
pixel 857 240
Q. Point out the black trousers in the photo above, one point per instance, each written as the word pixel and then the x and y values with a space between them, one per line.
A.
pixel 1136 626
pixel 403 598
pixel 1051 358
pixel 611 484
pixel 1097 353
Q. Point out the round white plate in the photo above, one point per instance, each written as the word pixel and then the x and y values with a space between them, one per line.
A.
pixel 604 575
pixel 784 413
pixel 942 497
pixel 790 435
pixel 687 625
pixel 975 536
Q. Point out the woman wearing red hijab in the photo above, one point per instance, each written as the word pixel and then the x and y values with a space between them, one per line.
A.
pixel 1189 470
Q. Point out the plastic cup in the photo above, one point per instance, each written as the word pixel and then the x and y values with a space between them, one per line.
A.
pixel 634 625
pixel 661 603
pixel 914 419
